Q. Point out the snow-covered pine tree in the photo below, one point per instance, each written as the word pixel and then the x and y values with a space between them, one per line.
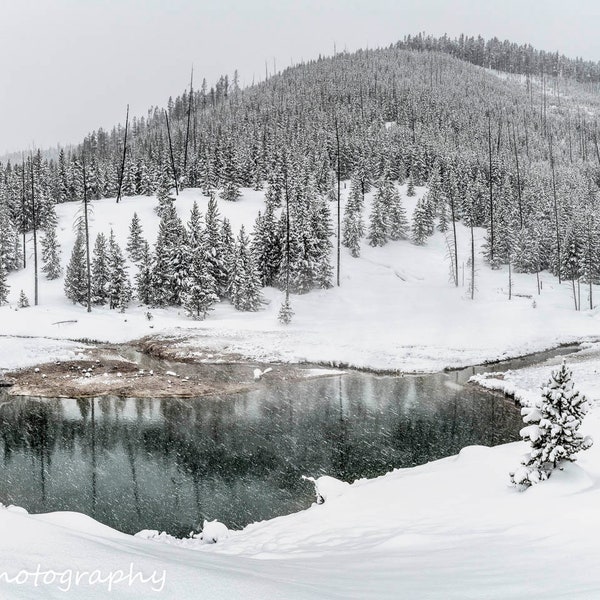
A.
pixel 353 228
pixel 379 224
pixel 244 282
pixel 410 189
pixel 4 287
pixel 421 226
pixel 199 296
pixel 100 271
pixel 76 274
pixel 170 265
pixel 143 277
pixel 118 289
pixel 553 429
pixel 23 300
pixel 135 241
pixel 51 253
pixel 285 312
pixel 214 247
pixel 267 246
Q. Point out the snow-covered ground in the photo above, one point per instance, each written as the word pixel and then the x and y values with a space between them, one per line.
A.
pixel 395 308
pixel 449 529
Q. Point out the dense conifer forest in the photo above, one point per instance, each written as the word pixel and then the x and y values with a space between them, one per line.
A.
pixel 513 149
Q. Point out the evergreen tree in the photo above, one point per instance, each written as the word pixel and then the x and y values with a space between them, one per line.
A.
pixel 135 241
pixel 100 271
pixel 118 289
pixel 552 429
pixel 23 300
pixel 285 312
pixel 410 190
pixel 353 228
pixel 4 287
pixel 420 224
pixel 51 253
pixel 267 246
pixel 76 275
pixel 143 277
pixel 244 283
pixel 214 248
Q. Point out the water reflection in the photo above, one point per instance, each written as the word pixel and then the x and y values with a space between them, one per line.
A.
pixel 167 464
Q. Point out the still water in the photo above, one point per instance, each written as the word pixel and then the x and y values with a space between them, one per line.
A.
pixel 168 464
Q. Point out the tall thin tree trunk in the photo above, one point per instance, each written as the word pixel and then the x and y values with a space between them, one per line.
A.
pixel 555 209
pixel 87 237
pixel 472 260
pixel 23 216
pixel 172 156
pixel 35 256
pixel 124 155
pixel 518 177
pixel 189 116
pixel 491 191
pixel 337 140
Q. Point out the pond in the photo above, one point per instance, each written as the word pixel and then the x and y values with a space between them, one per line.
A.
pixel 168 464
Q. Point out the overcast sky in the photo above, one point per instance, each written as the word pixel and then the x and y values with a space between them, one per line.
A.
pixel 70 66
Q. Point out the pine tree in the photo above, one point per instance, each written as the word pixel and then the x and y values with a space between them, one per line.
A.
pixel 135 241
pixel 410 190
pixel 118 289
pixel 285 312
pixel 76 275
pixel 379 220
pixel 552 429
pixel 267 246
pixel 353 228
pixel 100 271
pixel 4 287
pixel 51 253
pixel 170 265
pixel 23 300
pixel 420 224
pixel 143 277
pixel 244 282
pixel 214 248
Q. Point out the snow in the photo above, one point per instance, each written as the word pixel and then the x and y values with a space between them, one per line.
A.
pixel 450 529
pixel 394 311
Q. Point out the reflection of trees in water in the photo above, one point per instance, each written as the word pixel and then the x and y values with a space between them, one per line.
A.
pixel 167 455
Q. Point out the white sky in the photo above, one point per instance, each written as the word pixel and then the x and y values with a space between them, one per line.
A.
pixel 70 66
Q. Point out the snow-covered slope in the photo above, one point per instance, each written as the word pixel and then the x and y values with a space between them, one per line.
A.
pixel 395 308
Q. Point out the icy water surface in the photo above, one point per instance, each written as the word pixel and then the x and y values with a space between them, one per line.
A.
pixel 168 464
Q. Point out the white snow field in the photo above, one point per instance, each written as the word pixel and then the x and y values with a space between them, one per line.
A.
pixel 395 308
pixel 450 529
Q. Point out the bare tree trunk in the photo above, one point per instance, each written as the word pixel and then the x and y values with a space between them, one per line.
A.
pixel 23 219
pixel 518 177
pixel 189 116
pixel 35 256
pixel 172 157
pixel 472 261
pixel 124 155
pixel 555 209
pixel 490 186
pixel 87 237
pixel 337 140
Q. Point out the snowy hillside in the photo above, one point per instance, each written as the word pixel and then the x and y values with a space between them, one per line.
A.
pixel 395 309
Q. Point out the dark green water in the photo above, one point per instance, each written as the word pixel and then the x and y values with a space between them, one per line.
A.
pixel 168 464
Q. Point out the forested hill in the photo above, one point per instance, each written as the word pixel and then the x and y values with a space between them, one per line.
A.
pixel 520 158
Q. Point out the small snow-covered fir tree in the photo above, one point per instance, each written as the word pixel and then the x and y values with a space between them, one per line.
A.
pixel 244 283
pixel 420 224
pixel 51 253
pixel 135 241
pixel 100 271
pixel 118 289
pixel 23 300
pixel 76 275
pixel 143 277
pixel 552 429
pixel 410 190
pixel 378 221
pixel 353 228
pixel 285 312
pixel 4 287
